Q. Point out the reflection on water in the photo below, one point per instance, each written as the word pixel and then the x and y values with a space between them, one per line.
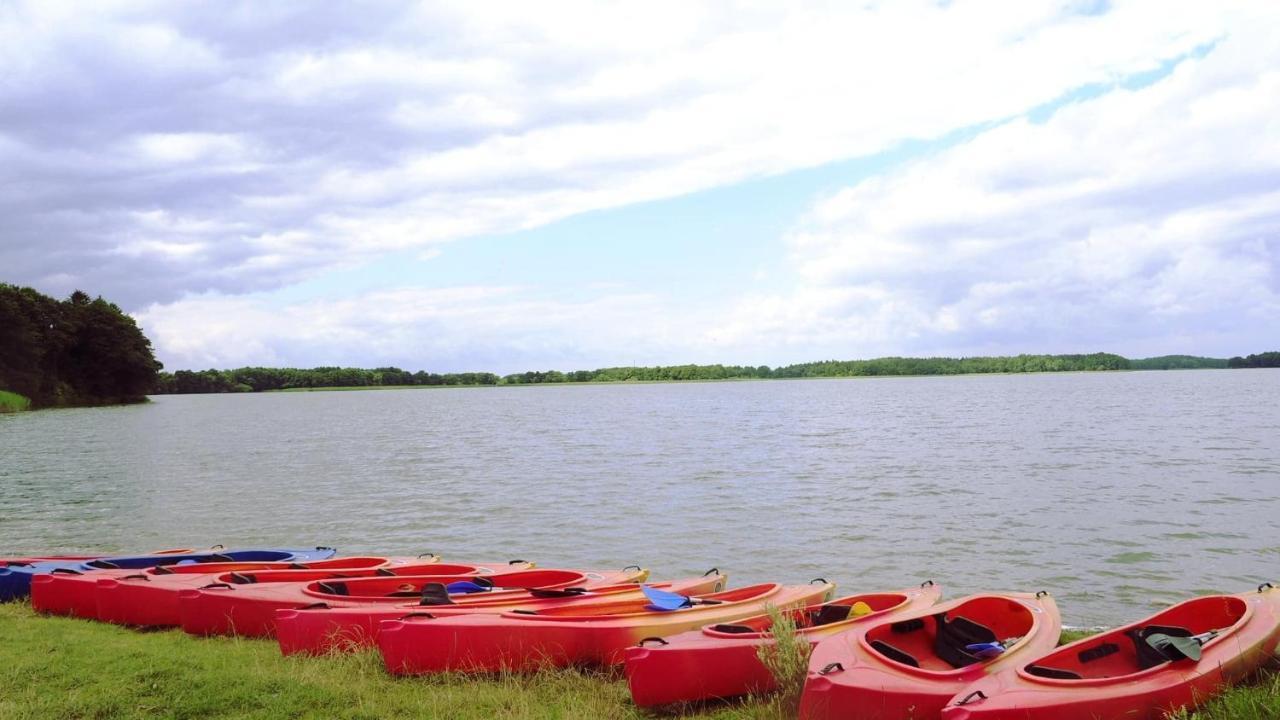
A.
pixel 1117 491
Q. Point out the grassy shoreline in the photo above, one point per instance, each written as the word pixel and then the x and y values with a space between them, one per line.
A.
pixel 61 667
pixel 13 402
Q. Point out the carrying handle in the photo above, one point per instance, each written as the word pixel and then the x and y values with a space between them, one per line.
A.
pixel 431 555
pixel 656 639
pixel 712 571
pixel 216 586
pixel 927 583
pixel 819 581
pixel 315 606
pixel 1265 586
pixel 412 615
pixel 830 668
pixel 637 568
pixel 1042 594
pixel 970 697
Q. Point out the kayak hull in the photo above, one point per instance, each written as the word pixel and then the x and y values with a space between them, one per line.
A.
pixel 714 663
pixel 849 677
pixel 72 589
pixel 150 598
pixel 250 610
pixel 596 633
pixel 1249 639
pixel 321 631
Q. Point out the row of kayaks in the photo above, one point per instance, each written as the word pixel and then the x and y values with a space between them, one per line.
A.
pixel 879 656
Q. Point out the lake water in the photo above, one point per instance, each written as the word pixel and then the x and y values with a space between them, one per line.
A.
pixel 1117 492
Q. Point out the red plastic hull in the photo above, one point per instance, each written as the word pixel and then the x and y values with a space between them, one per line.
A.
pixel 320 631
pixel 848 679
pixel 594 633
pixel 1142 695
pixel 77 594
pixel 250 610
pixel 150 599
pixel 708 663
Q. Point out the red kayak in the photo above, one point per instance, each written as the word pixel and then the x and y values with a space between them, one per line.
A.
pixel 912 665
pixel 722 661
pixel 250 609
pixel 150 598
pixel 1177 658
pixel 597 632
pixel 319 630
pixel 66 591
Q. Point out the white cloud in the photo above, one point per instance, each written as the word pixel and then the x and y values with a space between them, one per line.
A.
pixel 402 125
pixel 1119 223
pixel 502 329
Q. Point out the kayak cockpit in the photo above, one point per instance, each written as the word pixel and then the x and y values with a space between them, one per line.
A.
pixel 971 633
pixel 836 611
pixel 1141 646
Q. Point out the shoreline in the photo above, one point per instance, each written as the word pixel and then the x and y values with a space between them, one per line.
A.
pixel 350 388
pixel 172 673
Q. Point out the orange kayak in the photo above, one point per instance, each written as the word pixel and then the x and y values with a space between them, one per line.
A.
pixel 722 661
pixel 1132 673
pixel 596 632
pixel 250 609
pixel 912 665
pixel 318 630
pixel 150 598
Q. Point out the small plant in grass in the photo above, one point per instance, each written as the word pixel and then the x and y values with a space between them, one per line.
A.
pixel 787 657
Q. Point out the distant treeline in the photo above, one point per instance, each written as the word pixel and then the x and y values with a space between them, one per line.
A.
pixel 260 379
pixel 1261 360
pixel 257 379
pixel 78 351
pixel 1177 362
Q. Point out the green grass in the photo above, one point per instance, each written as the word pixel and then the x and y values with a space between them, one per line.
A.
pixel 13 402
pixel 73 669
pixel 76 669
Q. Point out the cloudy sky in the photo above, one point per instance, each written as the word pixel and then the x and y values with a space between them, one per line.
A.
pixel 570 185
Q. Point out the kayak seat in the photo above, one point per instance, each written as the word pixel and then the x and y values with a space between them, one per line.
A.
pixel 734 629
pixel 954 634
pixel 1098 652
pixel 435 594
pixel 1148 656
pixel 894 653
pixel 1052 673
pixel 828 614
pixel 906 626
pixel 333 588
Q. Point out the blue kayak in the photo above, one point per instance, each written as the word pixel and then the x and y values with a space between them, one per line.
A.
pixel 15 580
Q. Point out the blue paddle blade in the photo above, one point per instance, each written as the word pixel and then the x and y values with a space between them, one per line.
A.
pixel 464 587
pixel 985 650
pixel 663 600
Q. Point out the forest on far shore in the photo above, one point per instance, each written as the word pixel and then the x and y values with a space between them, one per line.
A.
pixel 78 351
pixel 85 351
pixel 260 379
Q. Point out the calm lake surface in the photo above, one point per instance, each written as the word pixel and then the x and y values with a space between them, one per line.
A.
pixel 1117 492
